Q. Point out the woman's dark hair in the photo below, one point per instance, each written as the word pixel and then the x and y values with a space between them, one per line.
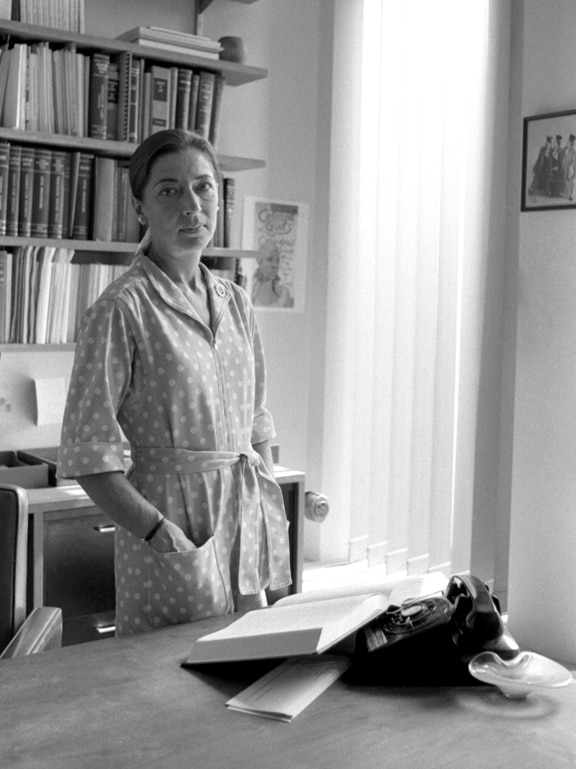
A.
pixel 164 143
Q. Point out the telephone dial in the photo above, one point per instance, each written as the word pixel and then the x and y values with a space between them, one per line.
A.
pixel 430 641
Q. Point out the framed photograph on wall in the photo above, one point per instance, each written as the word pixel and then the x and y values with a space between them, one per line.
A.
pixel 549 162
pixel 278 230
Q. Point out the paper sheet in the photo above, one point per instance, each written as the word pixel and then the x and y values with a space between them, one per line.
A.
pixel 284 692
pixel 50 400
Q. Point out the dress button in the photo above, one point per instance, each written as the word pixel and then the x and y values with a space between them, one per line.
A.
pixel 220 290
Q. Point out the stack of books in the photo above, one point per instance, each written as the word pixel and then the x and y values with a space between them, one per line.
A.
pixel 170 40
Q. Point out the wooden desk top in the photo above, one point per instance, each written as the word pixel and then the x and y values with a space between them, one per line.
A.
pixel 127 703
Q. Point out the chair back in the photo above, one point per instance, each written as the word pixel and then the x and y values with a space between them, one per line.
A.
pixel 13 560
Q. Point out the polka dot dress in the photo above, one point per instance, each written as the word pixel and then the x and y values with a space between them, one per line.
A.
pixel 190 401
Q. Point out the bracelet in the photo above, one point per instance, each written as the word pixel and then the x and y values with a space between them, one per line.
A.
pixel 153 530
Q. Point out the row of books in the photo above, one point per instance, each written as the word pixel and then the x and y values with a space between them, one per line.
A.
pixel 54 193
pixel 104 96
pixel 68 15
pixel 44 293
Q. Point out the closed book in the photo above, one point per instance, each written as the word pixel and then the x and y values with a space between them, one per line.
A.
pixel 112 101
pixel 160 98
pixel 71 178
pixel 5 295
pixel 41 193
pixel 57 196
pixel 69 163
pixel 122 202
pixel 229 184
pixel 26 188
pixel 205 99
pixel 14 163
pixel 98 96
pixel 134 102
pixel 124 72
pixel 215 118
pixel 104 198
pixel 13 113
pixel 194 89
pixel 4 190
pixel 81 227
pixel 173 96
pixel 183 98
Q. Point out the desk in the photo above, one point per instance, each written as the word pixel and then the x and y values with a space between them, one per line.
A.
pixel 124 703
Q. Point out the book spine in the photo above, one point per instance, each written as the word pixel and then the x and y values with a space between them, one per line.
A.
pixel 215 118
pixel 98 96
pixel 112 101
pixel 4 190
pixel 229 184
pixel 41 193
pixel 183 98
pixel 173 96
pixel 26 187
pixel 67 194
pixel 194 90
pixel 134 103
pixel 81 228
pixel 205 99
pixel 124 68
pixel 160 98
pixel 104 198
pixel 5 295
pixel 12 215
pixel 57 197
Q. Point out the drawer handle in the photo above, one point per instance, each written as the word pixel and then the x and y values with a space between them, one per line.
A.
pixel 105 629
pixel 104 528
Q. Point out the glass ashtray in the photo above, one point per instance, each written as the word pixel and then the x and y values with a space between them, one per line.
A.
pixel 517 677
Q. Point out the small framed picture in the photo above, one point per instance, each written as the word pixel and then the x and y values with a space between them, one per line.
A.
pixel 549 162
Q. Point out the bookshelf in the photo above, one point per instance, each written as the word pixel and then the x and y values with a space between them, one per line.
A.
pixel 91 250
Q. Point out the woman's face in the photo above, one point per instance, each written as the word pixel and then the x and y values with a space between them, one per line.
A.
pixel 180 202
pixel 270 262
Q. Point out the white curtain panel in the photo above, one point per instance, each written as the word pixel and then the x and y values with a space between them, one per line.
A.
pixel 413 223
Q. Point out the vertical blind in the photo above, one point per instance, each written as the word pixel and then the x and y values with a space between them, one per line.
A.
pixel 411 161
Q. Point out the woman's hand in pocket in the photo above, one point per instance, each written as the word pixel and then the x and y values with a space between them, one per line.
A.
pixel 171 539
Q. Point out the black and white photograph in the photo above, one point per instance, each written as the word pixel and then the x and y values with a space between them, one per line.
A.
pixel 549 162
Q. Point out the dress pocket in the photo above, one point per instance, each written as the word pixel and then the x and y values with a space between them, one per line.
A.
pixel 185 586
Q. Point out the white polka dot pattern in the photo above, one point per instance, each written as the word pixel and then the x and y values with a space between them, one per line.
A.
pixel 148 370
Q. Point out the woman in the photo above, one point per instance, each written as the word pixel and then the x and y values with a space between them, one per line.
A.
pixel 169 358
pixel 267 287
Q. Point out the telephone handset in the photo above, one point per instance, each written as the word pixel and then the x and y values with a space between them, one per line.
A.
pixel 431 640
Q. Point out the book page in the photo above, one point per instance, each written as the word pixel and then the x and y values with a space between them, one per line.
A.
pixel 282 631
pixel 287 690
pixel 395 591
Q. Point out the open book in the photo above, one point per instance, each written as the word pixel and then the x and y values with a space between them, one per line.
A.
pixel 306 623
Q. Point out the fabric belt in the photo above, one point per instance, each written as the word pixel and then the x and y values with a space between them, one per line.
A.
pixel 255 494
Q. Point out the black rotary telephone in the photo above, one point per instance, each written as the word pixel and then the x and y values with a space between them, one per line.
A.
pixel 430 641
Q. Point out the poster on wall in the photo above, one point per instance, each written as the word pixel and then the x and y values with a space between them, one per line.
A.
pixel 278 230
pixel 549 162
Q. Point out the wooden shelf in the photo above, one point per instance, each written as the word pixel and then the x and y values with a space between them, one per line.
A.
pixel 109 148
pixel 235 74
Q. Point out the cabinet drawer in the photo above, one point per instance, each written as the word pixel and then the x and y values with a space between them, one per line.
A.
pixel 79 562
pixel 93 627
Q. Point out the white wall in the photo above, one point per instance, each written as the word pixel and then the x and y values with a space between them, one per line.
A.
pixel 543 522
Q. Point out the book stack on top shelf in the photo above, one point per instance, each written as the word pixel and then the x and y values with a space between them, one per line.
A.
pixel 171 40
